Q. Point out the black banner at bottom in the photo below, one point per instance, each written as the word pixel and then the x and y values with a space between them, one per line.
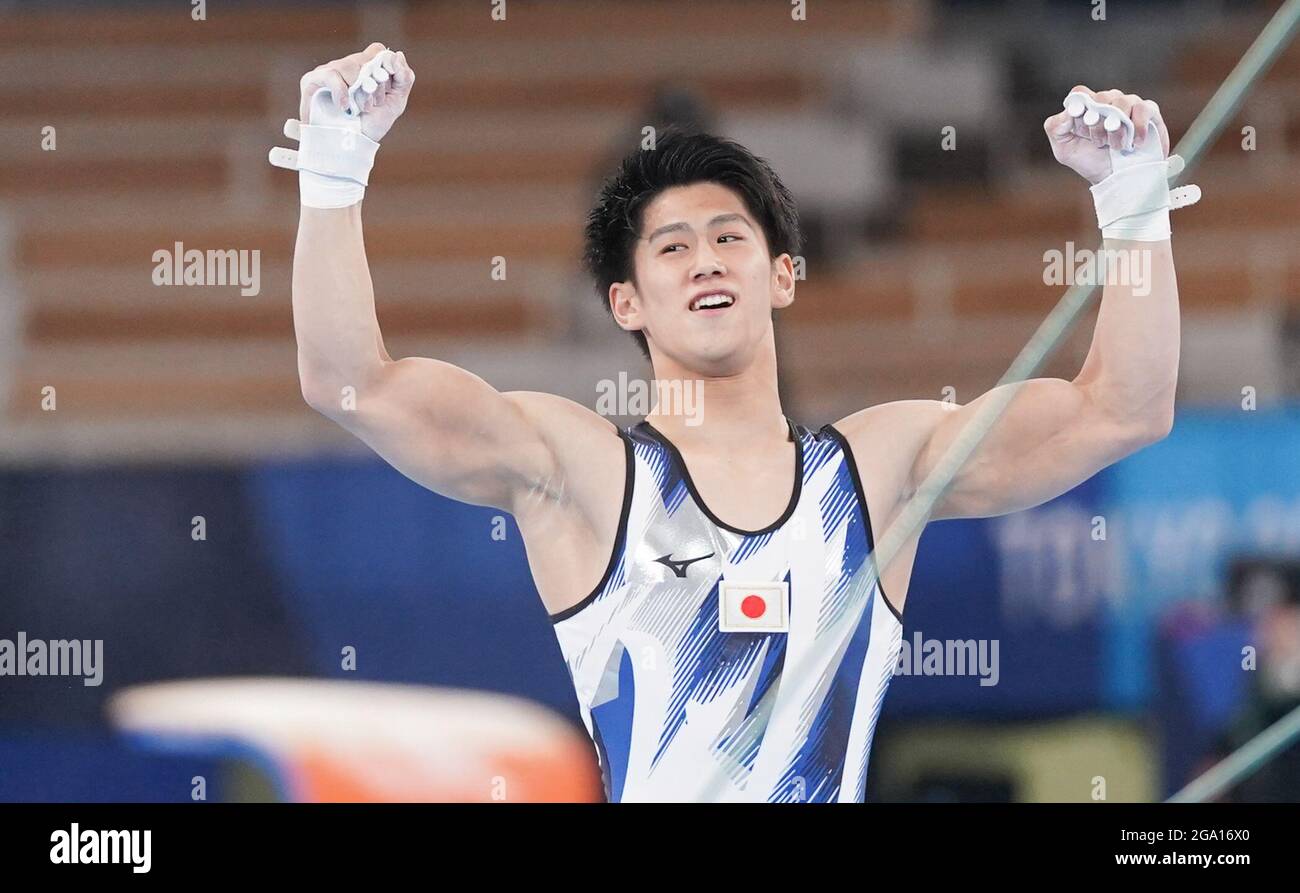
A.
pixel 236 841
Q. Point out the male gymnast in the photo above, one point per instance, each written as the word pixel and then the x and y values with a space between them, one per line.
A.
pixel 685 565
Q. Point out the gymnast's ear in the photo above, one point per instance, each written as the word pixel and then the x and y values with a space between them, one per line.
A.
pixel 782 282
pixel 625 305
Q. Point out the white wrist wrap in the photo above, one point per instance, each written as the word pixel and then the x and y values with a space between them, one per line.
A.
pixel 334 165
pixel 1133 203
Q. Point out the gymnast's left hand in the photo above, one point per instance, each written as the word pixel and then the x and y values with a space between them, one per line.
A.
pixel 1086 150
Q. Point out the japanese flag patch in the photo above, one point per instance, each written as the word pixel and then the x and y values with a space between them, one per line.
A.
pixel 753 607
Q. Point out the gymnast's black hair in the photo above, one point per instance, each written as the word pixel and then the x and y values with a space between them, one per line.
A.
pixel 681 157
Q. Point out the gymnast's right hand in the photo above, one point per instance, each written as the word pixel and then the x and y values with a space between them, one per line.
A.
pixel 374 83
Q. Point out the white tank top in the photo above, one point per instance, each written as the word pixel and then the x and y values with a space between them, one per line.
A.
pixel 678 656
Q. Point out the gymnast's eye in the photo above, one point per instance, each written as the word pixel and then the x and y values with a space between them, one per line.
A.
pixel 667 248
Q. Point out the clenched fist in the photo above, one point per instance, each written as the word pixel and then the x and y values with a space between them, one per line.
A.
pixel 380 98
pixel 1086 149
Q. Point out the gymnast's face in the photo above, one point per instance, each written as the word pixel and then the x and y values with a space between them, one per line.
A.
pixel 697 240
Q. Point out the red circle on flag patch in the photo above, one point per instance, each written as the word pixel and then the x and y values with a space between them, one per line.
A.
pixel 753 606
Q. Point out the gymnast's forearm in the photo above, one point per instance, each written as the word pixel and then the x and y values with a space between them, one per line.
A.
pixel 334 321
pixel 346 106
pixel 1119 142
pixel 1132 366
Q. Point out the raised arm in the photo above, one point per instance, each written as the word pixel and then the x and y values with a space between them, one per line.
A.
pixel 1054 434
pixel 440 425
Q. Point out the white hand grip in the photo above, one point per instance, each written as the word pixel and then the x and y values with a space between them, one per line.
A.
pixel 1082 105
pixel 372 74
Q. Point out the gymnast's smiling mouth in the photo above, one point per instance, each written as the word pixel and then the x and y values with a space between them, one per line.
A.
pixel 715 299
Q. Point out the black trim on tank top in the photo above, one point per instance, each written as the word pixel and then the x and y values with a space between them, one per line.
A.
pixel 620 534
pixel 866 512
pixel 708 513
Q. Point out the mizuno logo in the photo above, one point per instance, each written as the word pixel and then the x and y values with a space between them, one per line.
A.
pixel 679 567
